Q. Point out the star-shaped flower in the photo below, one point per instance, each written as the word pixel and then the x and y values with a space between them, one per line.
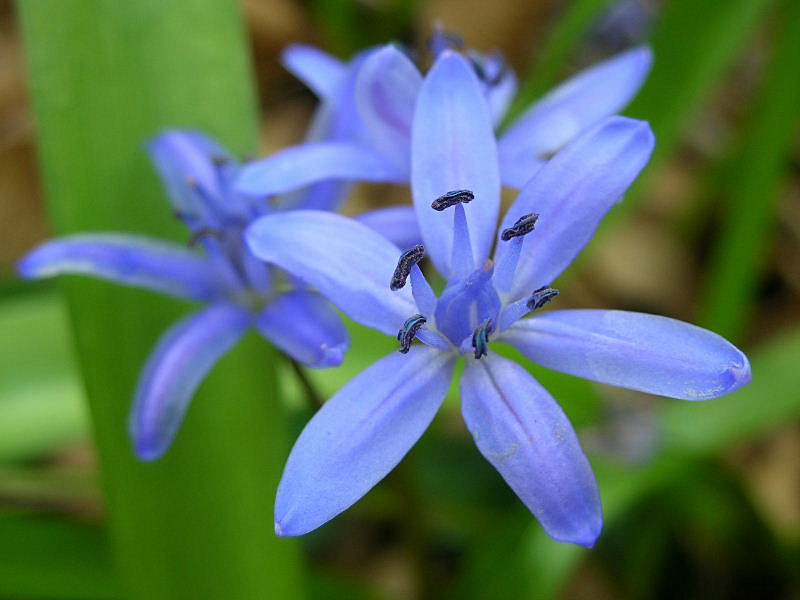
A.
pixel 240 291
pixel 361 433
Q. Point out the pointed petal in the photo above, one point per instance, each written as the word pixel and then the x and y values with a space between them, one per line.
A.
pixel 320 71
pixel 396 223
pixel 643 352
pixel 181 156
pixel 453 148
pixel 347 262
pixel 572 193
pixel 303 165
pixel 386 90
pixel 127 259
pixel 306 327
pixel 571 108
pixel 516 171
pixel 500 86
pixel 181 360
pixel 526 436
pixel 359 435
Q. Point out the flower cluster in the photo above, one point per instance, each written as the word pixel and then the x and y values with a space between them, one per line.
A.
pixel 381 119
pixel 240 290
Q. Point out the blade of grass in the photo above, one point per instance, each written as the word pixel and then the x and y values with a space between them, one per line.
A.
pixel 548 66
pixel 694 43
pixel 43 557
pixel 41 400
pixel 105 76
pixel 752 189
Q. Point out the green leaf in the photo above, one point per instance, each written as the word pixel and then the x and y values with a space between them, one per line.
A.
pixel 41 400
pixel 753 185
pixel 694 43
pixel 44 557
pixel 556 50
pixel 105 76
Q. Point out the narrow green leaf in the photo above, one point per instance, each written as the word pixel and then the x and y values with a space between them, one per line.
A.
pixel 752 189
pixel 105 76
pixel 555 52
pixel 44 557
pixel 41 400
pixel 694 43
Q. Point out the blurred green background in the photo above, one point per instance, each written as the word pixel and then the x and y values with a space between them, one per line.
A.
pixel 701 500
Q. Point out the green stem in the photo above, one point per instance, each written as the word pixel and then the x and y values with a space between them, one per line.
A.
pixel 105 76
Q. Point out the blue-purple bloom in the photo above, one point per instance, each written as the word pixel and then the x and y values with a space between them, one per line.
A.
pixel 240 291
pixel 361 433
pixel 371 103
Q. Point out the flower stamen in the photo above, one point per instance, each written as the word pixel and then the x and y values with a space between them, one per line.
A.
pixel 408 332
pixel 524 225
pixel 408 259
pixel 452 198
pixel 541 297
pixel 480 338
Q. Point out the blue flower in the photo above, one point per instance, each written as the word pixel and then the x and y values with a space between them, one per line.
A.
pixel 239 289
pixel 374 96
pixel 361 433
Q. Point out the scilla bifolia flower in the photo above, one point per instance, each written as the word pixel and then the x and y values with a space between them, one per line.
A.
pixel 374 99
pixel 361 433
pixel 240 291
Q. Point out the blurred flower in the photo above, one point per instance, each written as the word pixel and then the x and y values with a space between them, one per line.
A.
pixel 239 289
pixel 361 433
pixel 372 100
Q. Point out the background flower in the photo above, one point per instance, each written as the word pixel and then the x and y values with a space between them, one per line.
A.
pixel 241 291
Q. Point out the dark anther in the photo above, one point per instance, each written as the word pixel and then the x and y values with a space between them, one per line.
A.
pixel 452 198
pixel 524 224
pixel 204 232
pixel 480 338
pixel 220 160
pixel 479 65
pixel 408 332
pixel 541 297
pixel 407 260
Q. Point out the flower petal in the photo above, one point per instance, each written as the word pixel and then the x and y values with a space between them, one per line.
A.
pixel 386 90
pixel 396 223
pixel 320 71
pixel 303 165
pixel 184 156
pixel 526 436
pixel 570 109
pixel 643 352
pixel 500 84
pixel 453 148
pixel 359 435
pixel 127 259
pixel 180 361
pixel 306 327
pixel 572 193
pixel 347 262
